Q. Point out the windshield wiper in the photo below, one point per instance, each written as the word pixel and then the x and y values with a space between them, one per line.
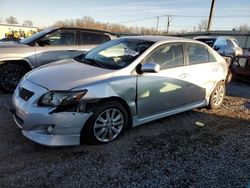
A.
pixel 93 62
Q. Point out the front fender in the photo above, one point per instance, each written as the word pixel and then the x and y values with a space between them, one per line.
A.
pixel 123 87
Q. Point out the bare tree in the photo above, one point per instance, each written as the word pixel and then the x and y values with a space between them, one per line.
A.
pixel 11 20
pixel 1 20
pixel 202 26
pixel 27 23
pixel 244 28
pixel 89 22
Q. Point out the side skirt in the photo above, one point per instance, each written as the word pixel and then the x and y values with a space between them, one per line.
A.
pixel 137 121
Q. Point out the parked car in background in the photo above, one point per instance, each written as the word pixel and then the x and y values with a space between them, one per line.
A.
pixel 225 46
pixel 44 47
pixel 123 82
pixel 240 68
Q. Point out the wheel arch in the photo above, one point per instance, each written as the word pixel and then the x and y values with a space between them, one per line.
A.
pixel 122 102
pixel 21 62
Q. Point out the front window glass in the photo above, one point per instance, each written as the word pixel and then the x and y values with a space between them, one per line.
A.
pixel 118 53
pixel 60 37
pixel 167 56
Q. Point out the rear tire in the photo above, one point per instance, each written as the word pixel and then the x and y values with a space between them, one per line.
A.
pixel 108 122
pixel 229 77
pixel 10 75
pixel 217 96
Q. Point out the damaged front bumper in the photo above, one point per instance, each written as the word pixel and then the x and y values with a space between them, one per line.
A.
pixel 41 124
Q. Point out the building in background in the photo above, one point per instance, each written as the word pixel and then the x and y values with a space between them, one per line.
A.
pixel 16 32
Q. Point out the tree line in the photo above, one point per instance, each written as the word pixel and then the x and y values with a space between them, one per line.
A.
pixel 89 22
pixel 13 20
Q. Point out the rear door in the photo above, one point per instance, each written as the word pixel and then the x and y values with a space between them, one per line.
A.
pixel 243 68
pixel 61 44
pixel 202 70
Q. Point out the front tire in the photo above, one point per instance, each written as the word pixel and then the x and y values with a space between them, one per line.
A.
pixel 10 75
pixel 217 96
pixel 108 122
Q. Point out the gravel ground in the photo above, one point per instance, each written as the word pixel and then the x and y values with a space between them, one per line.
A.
pixel 171 152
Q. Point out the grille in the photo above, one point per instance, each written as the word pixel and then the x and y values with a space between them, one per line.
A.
pixel 25 94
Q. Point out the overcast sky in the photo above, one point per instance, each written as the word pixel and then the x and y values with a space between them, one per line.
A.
pixel 44 13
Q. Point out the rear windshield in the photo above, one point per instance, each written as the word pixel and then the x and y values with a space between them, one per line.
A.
pixel 208 41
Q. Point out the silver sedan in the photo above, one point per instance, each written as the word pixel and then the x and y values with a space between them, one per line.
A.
pixel 122 83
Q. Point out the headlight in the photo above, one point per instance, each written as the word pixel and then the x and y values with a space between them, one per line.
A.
pixel 57 98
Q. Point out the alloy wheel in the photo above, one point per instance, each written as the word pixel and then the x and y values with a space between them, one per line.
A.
pixel 108 125
pixel 218 95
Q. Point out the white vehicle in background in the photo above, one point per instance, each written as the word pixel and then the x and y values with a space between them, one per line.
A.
pixel 225 46
pixel 17 58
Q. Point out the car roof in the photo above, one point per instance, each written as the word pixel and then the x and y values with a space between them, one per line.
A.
pixel 214 37
pixel 156 38
pixel 86 29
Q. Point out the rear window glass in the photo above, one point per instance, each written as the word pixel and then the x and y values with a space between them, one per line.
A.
pixel 199 54
pixel 208 41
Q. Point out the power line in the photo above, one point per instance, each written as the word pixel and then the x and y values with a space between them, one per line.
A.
pixel 141 19
pixel 185 16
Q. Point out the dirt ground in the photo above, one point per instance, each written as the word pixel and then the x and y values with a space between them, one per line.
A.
pixel 170 152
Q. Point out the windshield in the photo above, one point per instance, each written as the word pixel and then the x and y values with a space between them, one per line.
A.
pixel 117 53
pixel 36 36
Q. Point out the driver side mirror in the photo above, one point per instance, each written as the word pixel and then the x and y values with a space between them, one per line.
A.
pixel 216 47
pixel 150 67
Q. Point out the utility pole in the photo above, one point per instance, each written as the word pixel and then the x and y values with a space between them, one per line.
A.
pixel 210 15
pixel 157 24
pixel 168 24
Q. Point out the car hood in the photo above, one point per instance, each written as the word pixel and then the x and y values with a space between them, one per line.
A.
pixel 12 45
pixel 67 74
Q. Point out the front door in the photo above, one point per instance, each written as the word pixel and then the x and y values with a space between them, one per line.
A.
pixel 165 90
pixel 61 44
